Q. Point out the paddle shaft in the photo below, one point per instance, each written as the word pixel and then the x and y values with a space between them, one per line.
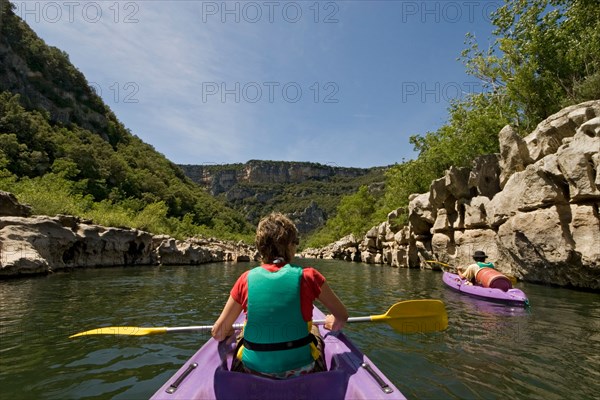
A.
pixel 350 320
pixel 441 263
pixel 200 328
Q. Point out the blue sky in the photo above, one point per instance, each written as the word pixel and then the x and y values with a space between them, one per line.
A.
pixel 336 82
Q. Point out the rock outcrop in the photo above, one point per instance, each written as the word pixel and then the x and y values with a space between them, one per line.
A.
pixel 533 208
pixel 41 244
pixel 10 206
pixel 309 219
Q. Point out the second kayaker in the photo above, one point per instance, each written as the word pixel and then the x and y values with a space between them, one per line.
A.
pixel 279 340
pixel 470 272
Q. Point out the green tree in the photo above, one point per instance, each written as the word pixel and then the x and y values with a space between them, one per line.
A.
pixel 546 56
pixel 354 215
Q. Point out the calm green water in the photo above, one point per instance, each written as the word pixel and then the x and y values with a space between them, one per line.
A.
pixel 489 351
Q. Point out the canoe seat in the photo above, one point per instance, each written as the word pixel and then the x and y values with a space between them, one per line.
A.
pixel 228 385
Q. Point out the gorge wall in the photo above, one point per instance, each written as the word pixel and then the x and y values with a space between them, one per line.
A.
pixel 307 192
pixel 222 178
pixel 533 208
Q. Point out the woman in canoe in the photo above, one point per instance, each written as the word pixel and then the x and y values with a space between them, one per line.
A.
pixel 471 271
pixel 279 340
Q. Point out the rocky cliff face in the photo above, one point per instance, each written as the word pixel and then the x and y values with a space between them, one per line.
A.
pixel 223 178
pixel 533 208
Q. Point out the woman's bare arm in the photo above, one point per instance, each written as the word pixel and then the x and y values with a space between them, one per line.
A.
pixel 335 307
pixel 224 325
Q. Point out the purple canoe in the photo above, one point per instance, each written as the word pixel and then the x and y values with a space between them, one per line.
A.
pixel 350 375
pixel 511 296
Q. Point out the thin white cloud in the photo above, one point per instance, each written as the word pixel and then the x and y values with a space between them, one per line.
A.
pixel 199 144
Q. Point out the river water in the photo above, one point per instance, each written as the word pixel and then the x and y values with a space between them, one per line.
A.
pixel 551 351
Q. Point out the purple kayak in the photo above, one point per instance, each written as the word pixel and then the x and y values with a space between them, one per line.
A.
pixel 511 296
pixel 350 375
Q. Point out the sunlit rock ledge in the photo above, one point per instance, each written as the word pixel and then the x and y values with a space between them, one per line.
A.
pixel 533 208
pixel 41 244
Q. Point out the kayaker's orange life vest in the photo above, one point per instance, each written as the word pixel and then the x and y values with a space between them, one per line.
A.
pixel 276 336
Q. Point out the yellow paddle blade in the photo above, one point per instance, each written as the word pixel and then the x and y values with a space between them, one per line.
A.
pixel 122 330
pixel 413 316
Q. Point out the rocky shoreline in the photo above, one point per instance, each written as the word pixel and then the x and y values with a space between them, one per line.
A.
pixel 533 208
pixel 33 245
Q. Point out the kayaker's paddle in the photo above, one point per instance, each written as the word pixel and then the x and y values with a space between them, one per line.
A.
pixel 511 278
pixel 408 316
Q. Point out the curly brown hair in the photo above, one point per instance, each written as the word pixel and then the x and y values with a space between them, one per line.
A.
pixel 274 235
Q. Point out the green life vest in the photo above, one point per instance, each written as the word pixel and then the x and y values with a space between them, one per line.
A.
pixel 276 337
pixel 485 265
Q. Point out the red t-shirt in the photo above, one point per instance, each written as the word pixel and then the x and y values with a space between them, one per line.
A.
pixel 310 289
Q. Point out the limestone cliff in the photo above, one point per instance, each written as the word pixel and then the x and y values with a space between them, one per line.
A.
pixel 533 208
pixel 222 178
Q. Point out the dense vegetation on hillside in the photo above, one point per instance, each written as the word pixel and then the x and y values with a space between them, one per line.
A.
pixel 87 163
pixel 545 56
